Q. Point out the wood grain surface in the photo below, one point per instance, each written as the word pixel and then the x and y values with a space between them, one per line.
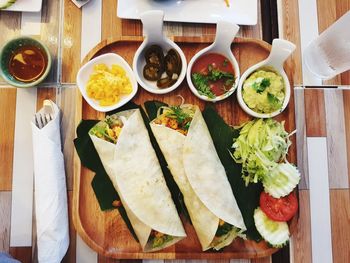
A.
pixel 23 254
pixel 340 217
pixel 346 97
pixel 5 222
pixel 70 49
pixel 301 140
pixel 50 23
pixel 7 129
pixel 330 12
pixel 290 31
pixel 301 238
pixel 98 229
pixel 71 253
pixel 71 42
pixel 336 138
pixel 316 114
pixel 10 24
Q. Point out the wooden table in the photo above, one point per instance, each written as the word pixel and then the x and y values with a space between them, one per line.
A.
pixel 322 115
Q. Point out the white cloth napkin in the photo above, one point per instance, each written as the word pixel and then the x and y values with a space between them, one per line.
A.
pixel 50 191
pixel 79 3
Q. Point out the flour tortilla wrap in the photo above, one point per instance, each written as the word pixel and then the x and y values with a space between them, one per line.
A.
pixel 196 168
pixel 135 172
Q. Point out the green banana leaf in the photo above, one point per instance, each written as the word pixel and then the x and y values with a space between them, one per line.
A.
pixel 247 197
pixel 222 134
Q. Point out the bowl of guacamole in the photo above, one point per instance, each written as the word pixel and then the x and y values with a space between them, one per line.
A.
pixel 263 92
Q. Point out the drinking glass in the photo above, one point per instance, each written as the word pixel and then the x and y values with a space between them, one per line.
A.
pixel 329 54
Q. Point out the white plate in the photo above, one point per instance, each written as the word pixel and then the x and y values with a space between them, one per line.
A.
pixel 243 12
pixel 25 6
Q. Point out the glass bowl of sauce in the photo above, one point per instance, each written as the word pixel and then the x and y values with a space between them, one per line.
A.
pixel 24 62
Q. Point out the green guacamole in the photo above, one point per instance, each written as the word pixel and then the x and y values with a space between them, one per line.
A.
pixel 264 91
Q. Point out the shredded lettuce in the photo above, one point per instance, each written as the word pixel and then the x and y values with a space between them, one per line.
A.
pixel 161 240
pixel 261 147
pixel 225 235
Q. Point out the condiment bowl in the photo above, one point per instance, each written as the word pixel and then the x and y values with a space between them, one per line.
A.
pixel 153 31
pixel 108 59
pixel 280 51
pixel 225 33
pixel 7 52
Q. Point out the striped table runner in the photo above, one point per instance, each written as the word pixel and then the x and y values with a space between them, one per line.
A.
pixel 323 117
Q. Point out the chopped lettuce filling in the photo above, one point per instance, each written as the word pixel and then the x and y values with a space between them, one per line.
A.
pixel 157 239
pixel 225 234
pixel 176 117
pixel 108 129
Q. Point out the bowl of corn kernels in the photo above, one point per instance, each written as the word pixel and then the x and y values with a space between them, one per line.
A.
pixel 107 82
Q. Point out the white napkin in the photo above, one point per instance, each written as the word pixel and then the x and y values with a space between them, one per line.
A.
pixel 79 3
pixel 50 191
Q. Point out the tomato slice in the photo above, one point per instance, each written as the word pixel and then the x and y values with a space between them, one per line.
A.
pixel 279 209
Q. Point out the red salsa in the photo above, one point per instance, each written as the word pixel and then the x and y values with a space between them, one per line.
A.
pixel 213 75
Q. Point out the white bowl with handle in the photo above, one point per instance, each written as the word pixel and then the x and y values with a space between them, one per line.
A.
pixel 152 22
pixel 225 34
pixel 280 52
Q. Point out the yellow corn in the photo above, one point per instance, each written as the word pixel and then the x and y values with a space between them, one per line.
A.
pixel 108 85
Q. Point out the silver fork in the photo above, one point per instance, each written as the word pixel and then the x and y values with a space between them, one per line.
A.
pixel 43 117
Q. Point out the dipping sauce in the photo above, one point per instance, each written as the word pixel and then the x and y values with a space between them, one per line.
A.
pixel 27 64
pixel 264 91
pixel 213 75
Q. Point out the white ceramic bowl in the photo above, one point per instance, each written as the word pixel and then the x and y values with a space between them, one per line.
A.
pixel 281 50
pixel 225 33
pixel 108 59
pixel 153 30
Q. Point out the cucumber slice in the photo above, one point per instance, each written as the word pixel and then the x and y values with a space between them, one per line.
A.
pixel 275 233
pixel 6 3
pixel 282 180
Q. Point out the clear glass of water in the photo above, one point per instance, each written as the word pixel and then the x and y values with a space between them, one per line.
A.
pixel 329 54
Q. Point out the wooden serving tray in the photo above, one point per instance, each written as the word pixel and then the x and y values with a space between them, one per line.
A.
pixel 106 232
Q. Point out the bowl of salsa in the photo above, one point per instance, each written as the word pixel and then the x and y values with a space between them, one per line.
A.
pixel 213 75
pixel 24 62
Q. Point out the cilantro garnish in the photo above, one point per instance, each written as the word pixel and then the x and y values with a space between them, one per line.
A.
pixel 201 81
pixel 260 87
pixel 273 100
pixel 202 85
pixel 217 74
pixel 182 118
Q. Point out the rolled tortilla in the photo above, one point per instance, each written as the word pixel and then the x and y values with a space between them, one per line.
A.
pixel 135 172
pixel 197 170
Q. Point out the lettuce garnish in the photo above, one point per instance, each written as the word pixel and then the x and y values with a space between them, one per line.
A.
pixel 261 148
